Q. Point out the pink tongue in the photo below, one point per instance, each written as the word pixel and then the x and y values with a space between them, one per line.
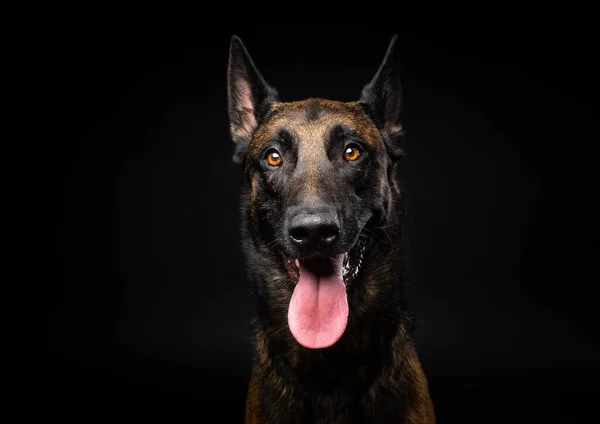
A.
pixel 318 310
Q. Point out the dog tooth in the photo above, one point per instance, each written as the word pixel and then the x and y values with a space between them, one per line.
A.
pixel 297 262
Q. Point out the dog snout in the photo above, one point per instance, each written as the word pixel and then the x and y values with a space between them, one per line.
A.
pixel 314 229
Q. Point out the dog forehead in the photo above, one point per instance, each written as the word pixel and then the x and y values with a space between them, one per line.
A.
pixel 310 121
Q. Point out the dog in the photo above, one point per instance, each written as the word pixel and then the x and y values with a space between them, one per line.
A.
pixel 322 213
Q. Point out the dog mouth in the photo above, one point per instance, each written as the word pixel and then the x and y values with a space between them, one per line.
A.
pixel 351 262
pixel 318 309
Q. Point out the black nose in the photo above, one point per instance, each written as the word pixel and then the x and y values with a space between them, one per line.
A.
pixel 314 230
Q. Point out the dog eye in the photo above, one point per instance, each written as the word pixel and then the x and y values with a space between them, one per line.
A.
pixel 352 152
pixel 273 157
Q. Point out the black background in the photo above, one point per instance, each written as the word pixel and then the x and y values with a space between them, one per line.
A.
pixel 148 315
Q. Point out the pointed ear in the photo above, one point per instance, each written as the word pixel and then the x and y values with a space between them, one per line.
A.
pixel 249 97
pixel 382 100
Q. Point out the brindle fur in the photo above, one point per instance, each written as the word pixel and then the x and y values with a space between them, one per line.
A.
pixel 372 374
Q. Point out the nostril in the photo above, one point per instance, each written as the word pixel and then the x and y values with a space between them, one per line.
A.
pixel 329 232
pixel 299 234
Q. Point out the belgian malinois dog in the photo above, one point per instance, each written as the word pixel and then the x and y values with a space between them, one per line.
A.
pixel 322 213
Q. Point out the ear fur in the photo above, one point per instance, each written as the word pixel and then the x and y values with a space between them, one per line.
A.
pixel 249 97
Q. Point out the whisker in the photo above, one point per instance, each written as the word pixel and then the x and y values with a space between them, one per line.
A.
pixel 272 243
pixel 379 238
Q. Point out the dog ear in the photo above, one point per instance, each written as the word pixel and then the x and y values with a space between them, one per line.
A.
pixel 249 97
pixel 382 100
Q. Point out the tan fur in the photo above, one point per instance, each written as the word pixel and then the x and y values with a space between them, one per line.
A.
pixel 253 404
pixel 292 117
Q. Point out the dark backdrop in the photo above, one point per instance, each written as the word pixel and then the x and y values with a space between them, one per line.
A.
pixel 149 314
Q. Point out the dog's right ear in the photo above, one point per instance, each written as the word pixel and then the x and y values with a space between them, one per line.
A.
pixel 249 97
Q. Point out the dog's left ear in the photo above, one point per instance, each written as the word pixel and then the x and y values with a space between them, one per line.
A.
pixel 382 100
pixel 249 97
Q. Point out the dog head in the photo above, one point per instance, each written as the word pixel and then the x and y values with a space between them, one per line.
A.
pixel 320 176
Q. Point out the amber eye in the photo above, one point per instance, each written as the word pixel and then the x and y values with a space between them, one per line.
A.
pixel 273 157
pixel 351 153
